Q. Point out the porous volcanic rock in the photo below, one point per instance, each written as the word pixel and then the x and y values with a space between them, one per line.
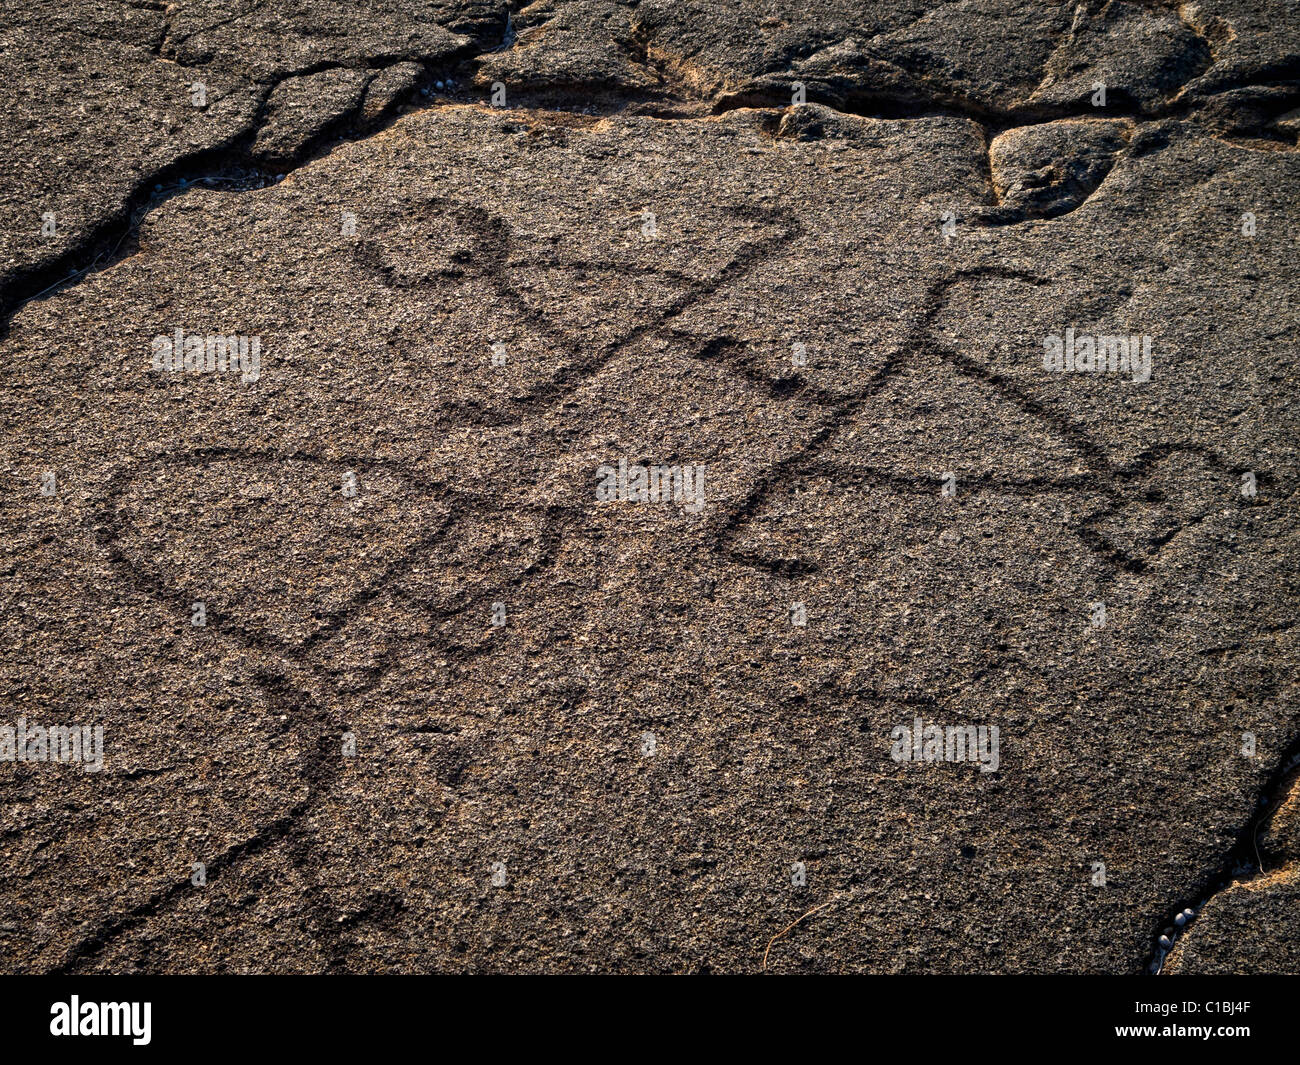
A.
pixel 317 397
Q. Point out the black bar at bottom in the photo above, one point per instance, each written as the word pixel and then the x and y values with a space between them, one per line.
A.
pixel 343 1013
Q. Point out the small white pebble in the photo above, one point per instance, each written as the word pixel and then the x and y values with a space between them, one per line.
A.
pixel 1180 920
pixel 1166 942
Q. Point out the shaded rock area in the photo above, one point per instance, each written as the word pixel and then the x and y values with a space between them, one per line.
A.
pixel 1246 926
pixel 106 100
pixel 315 395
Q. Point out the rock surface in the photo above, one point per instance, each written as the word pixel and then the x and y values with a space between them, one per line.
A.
pixel 450 708
pixel 1246 926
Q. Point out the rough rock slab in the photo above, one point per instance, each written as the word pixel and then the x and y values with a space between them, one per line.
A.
pixel 449 708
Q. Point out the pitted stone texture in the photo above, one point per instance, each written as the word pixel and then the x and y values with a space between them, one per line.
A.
pixel 106 99
pixel 647 280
